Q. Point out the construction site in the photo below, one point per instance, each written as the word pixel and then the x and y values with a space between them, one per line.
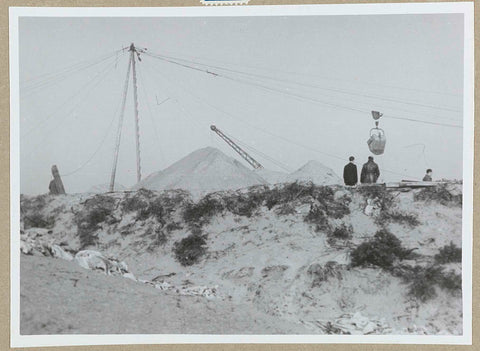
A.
pixel 174 215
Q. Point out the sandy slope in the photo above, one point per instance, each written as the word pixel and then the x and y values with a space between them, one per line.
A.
pixel 260 261
pixel 58 297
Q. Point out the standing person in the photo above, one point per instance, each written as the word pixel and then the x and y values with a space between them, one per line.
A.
pixel 370 172
pixel 350 175
pixel 428 176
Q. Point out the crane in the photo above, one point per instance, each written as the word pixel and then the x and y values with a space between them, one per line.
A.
pixel 254 163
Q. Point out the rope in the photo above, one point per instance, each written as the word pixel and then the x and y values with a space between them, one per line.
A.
pixel 305 84
pixel 239 120
pixel 290 94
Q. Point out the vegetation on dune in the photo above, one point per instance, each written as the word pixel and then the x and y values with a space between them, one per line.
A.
pixel 190 250
pixel 383 250
pixel 37 220
pixel 449 253
pixel 388 216
pixel 321 273
pixel 381 193
pixel 247 204
pixel 201 212
pixel 31 212
pixel 440 194
pixel 96 210
pixel 424 281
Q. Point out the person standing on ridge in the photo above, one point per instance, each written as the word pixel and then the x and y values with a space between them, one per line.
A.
pixel 350 175
pixel 370 172
pixel 428 176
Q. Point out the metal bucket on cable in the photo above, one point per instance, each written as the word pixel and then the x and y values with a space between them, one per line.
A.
pixel 376 142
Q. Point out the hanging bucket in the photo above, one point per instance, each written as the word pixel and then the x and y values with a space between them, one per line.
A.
pixel 376 142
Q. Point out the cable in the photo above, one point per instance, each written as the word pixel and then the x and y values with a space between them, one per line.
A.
pixel 237 119
pixel 307 98
pixel 100 145
pixel 72 68
pixel 46 135
pixel 376 84
pixel 150 112
pixel 260 153
pixel 305 84
pixel 99 75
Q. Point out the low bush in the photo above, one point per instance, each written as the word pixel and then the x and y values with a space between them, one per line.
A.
pixel 319 273
pixel 423 281
pixel 384 197
pixel 451 281
pixel 244 204
pixel 37 220
pixel 388 216
pixel 170 227
pixel 189 250
pixel 318 217
pixel 96 210
pixel 449 253
pixel 201 212
pixel 382 251
pixel 342 232
pixel 286 209
pixel 440 194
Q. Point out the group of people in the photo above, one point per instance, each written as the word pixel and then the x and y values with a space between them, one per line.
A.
pixel 370 173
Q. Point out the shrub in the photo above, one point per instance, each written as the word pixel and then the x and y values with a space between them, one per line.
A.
pixel 201 212
pixel 387 216
pixel 449 253
pixel 451 281
pixel 423 282
pixel 96 210
pixel 189 250
pixel 154 208
pixel 134 203
pixel 244 204
pixel 37 220
pixel 382 251
pixel 440 194
pixel 170 227
pixel 385 198
pixel 317 216
pixel 286 209
pixel 343 232
pixel 320 273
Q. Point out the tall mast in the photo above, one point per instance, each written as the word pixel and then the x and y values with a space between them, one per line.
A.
pixel 133 51
pixel 119 129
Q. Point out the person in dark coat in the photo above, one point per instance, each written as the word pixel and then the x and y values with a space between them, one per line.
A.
pixel 370 172
pixel 428 176
pixel 350 175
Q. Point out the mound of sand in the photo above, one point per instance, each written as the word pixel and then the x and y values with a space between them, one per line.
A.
pixel 316 172
pixel 272 177
pixel 203 171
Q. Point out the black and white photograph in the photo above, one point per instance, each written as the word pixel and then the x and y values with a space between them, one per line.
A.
pixel 242 174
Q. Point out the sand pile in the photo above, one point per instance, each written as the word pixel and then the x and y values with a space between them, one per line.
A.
pixel 316 172
pixel 202 171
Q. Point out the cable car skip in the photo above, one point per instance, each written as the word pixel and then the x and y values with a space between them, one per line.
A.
pixel 376 142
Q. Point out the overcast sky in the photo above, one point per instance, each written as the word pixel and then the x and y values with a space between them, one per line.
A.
pixel 316 78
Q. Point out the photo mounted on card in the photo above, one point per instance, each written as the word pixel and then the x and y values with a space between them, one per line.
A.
pixel 242 174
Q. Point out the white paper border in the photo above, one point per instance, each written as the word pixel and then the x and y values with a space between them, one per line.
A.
pixel 466 8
